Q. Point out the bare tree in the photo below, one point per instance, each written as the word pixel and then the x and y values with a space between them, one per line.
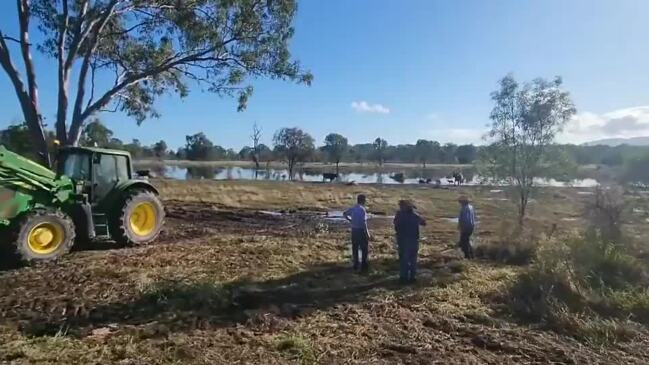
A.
pixel 256 136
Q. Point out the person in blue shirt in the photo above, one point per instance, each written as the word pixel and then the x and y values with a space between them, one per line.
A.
pixel 406 226
pixel 357 216
pixel 466 225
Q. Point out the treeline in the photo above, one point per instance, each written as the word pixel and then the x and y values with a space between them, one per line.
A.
pixel 293 145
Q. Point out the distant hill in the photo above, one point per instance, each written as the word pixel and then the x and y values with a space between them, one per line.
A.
pixel 635 141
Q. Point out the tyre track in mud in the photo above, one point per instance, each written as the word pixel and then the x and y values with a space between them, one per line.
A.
pixel 40 299
pixel 93 289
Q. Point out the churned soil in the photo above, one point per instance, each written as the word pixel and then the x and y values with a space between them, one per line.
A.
pixel 271 283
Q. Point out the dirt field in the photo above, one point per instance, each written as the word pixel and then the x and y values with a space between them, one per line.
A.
pixel 252 273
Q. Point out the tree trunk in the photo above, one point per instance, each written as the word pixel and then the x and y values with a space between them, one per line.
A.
pixel 522 209
pixel 337 168
pixel 291 163
pixel 75 134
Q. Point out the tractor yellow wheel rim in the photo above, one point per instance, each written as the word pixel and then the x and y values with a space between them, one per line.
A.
pixel 45 238
pixel 143 219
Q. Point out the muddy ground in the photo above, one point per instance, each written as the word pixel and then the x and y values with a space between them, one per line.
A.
pixel 228 283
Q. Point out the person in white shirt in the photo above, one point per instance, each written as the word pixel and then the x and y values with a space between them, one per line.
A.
pixel 357 216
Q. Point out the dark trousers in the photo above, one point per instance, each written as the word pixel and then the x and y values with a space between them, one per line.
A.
pixel 359 243
pixel 465 242
pixel 408 251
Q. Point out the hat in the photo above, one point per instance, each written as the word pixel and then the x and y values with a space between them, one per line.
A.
pixel 463 199
pixel 406 203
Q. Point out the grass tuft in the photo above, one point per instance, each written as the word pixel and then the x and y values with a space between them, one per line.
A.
pixel 585 286
pixel 296 348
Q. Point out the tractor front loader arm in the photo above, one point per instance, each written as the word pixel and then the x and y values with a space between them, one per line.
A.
pixel 24 184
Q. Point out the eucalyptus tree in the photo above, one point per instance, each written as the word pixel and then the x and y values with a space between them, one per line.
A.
pixel 525 121
pixel 336 146
pixel 294 145
pixel 121 55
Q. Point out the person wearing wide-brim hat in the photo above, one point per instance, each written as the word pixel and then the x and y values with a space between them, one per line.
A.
pixel 466 225
pixel 406 226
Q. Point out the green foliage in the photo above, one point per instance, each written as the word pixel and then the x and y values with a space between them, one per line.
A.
pixel 147 48
pixel 96 134
pixel 448 153
pixel 380 146
pixel 157 49
pixel 636 168
pixel 265 153
pixel 586 286
pixel 605 155
pixel 466 154
pixel 198 147
pixel 525 121
pixel 605 212
pixel 512 244
pixel 160 149
pixel 246 152
pixel 336 147
pixel 294 145
pixel 427 151
pixel 297 348
pixel 17 139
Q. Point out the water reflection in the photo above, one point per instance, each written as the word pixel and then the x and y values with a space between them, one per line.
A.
pixel 434 176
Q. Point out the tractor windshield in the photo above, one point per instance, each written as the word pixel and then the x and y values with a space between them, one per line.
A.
pixel 76 166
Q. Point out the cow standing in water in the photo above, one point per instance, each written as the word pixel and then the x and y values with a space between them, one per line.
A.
pixel 329 176
pixel 458 178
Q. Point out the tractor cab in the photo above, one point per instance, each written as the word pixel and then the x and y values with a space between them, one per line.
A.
pixel 97 172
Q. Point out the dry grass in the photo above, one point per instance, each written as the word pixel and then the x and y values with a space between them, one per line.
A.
pixel 227 284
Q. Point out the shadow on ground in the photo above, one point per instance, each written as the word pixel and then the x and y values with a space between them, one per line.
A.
pixel 166 306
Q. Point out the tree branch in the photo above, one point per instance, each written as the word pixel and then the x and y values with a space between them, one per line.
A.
pixel 11 39
pixel 77 121
pixel 62 108
pixel 14 76
pixel 23 21
pixel 134 79
pixel 93 67
pixel 30 112
pixel 77 35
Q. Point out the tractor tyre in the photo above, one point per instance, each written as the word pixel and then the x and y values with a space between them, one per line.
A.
pixel 139 219
pixel 45 234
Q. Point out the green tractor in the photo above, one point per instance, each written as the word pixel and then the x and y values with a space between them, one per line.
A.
pixel 94 194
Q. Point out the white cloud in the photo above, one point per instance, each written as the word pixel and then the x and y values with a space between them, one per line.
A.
pixel 365 107
pixel 621 123
pixel 457 135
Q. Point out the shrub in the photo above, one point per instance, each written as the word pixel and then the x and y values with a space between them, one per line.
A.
pixel 512 245
pixel 604 264
pixel 605 212
pixel 583 286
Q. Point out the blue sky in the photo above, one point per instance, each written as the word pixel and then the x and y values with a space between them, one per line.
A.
pixel 411 69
